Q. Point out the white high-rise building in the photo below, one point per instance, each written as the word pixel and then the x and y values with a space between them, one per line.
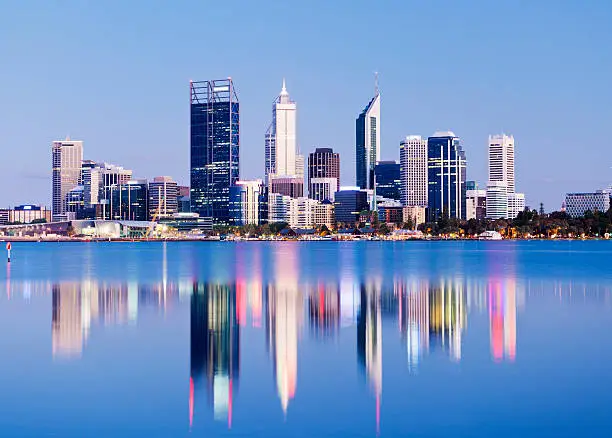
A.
pixel 248 197
pixel 497 200
pixel 323 189
pixel 413 171
pixel 279 207
pixel 66 158
pixel 163 197
pixel 302 212
pixel 516 204
pixel 501 160
pixel 281 144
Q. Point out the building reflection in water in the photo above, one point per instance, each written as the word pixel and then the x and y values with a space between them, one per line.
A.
pixel 324 310
pixel 284 319
pixel 369 340
pixel 215 348
pixel 502 319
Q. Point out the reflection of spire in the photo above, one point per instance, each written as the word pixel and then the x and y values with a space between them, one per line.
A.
pixel 215 345
pixel 285 309
pixel 369 340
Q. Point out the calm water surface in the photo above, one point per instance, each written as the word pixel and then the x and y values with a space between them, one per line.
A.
pixel 439 339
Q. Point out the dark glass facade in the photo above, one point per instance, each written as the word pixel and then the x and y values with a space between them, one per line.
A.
pixel 446 173
pixel 387 179
pixel 365 157
pixel 323 163
pixel 129 201
pixel 348 204
pixel 215 146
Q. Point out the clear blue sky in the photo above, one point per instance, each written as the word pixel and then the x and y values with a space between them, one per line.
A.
pixel 115 74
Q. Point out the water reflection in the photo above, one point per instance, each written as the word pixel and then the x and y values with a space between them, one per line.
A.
pixel 288 306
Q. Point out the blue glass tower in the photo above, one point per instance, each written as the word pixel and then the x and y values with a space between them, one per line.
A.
pixel 215 147
pixel 387 179
pixel 446 172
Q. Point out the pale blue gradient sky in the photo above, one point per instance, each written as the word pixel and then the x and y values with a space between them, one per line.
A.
pixel 115 74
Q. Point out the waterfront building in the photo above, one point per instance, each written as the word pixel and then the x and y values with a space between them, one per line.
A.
pixel 322 189
pixel 246 201
pixel 215 147
pixel 278 208
pixel 390 212
pixel 501 160
pixel 446 175
pixel 413 171
pixel 576 204
pixel 75 202
pixel 349 203
pixel 163 191
pixel 25 214
pixel 475 202
pixel 324 214
pixel 497 200
pixel 287 185
pixel 323 163
pixel 516 204
pixel 387 180
pixel 129 200
pixel 281 153
pixel 66 157
pixel 367 144
pixel 415 214
pixel 302 212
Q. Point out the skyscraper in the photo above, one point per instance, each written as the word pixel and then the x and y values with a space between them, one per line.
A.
pixel 66 157
pixel 387 179
pixel 215 146
pixel 247 197
pixel 446 172
pixel 323 168
pixel 367 150
pixel 501 160
pixel 281 144
pixel 413 171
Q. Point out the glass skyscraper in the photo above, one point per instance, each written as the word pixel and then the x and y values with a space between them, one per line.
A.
pixel 446 171
pixel 215 146
pixel 388 181
pixel 367 144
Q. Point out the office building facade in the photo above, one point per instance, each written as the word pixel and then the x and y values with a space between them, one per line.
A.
pixel 348 204
pixel 387 180
pixel 475 204
pixel 246 201
pixel 322 189
pixel 367 143
pixel 323 163
pixel 25 214
pixel 278 208
pixel 501 160
pixel 130 200
pixel 413 171
pixel 516 204
pixel 287 185
pixel 497 200
pixel 576 204
pixel 446 176
pixel 215 147
pixel 281 154
pixel 66 158
pixel 163 197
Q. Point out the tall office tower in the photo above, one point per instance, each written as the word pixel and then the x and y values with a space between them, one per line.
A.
pixel 163 194
pixel 387 179
pixel 501 160
pixel 281 145
pixel 497 200
pixel 66 158
pixel 215 147
pixel 323 163
pixel 446 172
pixel 413 171
pixel 367 144
pixel 246 199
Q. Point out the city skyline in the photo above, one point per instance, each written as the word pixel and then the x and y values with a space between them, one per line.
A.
pixel 547 105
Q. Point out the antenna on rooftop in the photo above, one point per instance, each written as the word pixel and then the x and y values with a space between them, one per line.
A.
pixel 376 83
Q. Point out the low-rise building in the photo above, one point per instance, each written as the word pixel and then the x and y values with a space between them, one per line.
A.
pixel 324 214
pixel 516 204
pixel 576 204
pixel 25 214
pixel 416 214
pixel 475 204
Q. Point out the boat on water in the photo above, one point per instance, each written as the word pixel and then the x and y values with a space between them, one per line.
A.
pixel 490 235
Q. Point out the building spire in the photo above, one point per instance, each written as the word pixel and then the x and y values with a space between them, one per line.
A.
pixel 376 83
pixel 284 89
